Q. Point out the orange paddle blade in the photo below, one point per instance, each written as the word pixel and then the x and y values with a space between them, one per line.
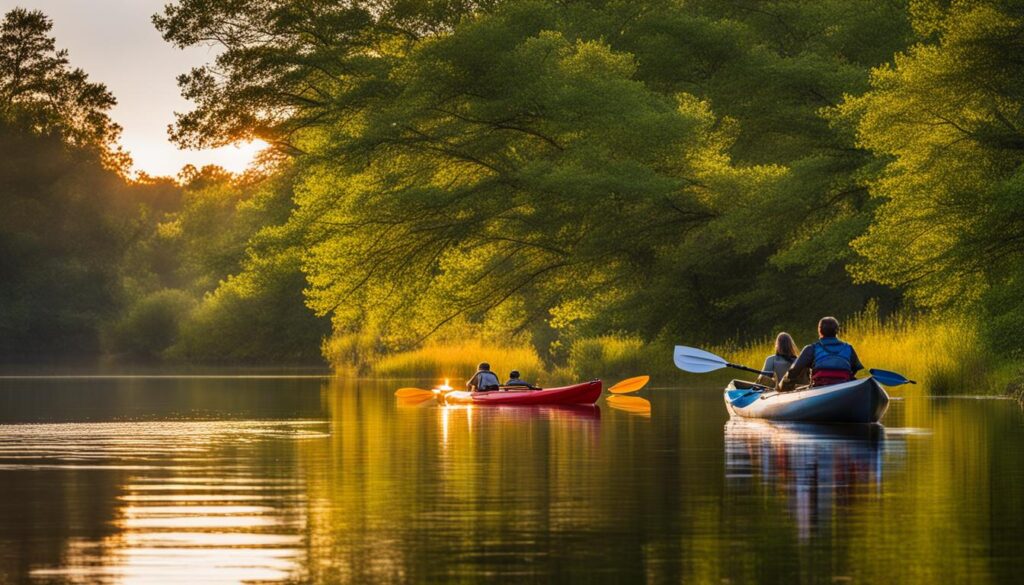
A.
pixel 630 385
pixel 408 392
pixel 413 400
pixel 629 403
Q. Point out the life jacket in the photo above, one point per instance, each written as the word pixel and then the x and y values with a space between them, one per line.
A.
pixel 833 362
pixel 487 380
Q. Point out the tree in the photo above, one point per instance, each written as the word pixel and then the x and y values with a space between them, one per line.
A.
pixel 947 121
pixel 589 163
pixel 40 92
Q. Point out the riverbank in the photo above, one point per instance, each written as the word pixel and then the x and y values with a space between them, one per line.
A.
pixel 944 355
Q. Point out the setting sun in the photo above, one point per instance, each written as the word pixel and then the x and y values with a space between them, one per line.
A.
pixel 162 159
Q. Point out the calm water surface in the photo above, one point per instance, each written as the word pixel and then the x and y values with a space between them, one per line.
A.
pixel 208 480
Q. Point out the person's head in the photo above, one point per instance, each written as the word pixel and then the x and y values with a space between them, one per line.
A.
pixel 784 345
pixel 483 367
pixel 514 374
pixel 828 327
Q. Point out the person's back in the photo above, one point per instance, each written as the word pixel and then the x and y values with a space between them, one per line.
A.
pixel 779 362
pixel 483 380
pixel 513 380
pixel 830 359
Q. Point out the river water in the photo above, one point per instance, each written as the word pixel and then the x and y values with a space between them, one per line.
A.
pixel 296 480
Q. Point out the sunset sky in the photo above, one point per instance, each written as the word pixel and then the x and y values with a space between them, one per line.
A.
pixel 115 42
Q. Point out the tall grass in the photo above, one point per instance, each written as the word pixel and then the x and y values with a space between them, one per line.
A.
pixel 611 356
pixel 459 361
pixel 943 354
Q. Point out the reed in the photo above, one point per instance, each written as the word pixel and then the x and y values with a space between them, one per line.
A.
pixel 944 354
pixel 458 361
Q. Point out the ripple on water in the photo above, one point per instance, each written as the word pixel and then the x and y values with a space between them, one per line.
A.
pixel 215 520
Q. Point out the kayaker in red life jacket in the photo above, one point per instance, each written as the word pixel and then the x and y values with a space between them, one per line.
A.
pixel 830 359
pixel 483 380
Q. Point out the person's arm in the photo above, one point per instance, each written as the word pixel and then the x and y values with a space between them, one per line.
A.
pixel 767 367
pixel 855 364
pixel 806 360
pixel 472 381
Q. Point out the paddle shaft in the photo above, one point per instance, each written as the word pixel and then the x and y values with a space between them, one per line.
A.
pixel 746 369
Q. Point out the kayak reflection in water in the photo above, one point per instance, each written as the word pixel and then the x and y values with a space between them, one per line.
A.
pixel 484 380
pixel 819 469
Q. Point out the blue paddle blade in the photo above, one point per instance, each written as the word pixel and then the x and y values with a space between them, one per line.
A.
pixel 888 378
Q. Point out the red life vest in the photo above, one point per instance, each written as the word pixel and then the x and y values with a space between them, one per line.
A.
pixel 822 377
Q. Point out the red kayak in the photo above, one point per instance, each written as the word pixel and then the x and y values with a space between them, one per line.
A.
pixel 585 393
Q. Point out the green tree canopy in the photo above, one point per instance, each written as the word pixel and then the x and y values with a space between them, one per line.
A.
pixel 947 120
pixel 41 92
pixel 579 165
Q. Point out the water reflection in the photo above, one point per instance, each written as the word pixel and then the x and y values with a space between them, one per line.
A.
pixel 192 500
pixel 817 468
pixel 339 483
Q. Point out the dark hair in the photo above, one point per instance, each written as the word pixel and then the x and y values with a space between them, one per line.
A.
pixel 484 366
pixel 784 345
pixel 513 374
pixel 828 327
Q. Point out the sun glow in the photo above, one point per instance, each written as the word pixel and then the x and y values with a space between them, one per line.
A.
pixel 155 159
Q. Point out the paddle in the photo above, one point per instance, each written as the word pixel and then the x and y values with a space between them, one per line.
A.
pixel 890 378
pixel 630 385
pixel 411 392
pixel 633 404
pixel 698 361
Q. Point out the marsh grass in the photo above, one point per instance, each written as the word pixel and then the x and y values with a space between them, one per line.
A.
pixel 944 355
pixel 458 362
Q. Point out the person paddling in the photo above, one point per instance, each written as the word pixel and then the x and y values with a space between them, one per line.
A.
pixel 514 380
pixel 483 380
pixel 780 362
pixel 830 359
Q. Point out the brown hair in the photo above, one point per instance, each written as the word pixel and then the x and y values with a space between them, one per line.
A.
pixel 828 327
pixel 784 345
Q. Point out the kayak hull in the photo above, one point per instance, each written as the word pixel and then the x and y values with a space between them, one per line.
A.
pixel 585 393
pixel 857 401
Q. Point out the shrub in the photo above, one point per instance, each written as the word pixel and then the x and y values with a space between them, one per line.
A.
pixel 151 325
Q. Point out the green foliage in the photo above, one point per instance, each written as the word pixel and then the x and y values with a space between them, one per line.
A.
pixel 256 317
pixel 611 356
pixel 150 326
pixel 946 118
pixel 457 361
pixel 943 354
pixel 40 92
pixel 577 167
pixel 61 242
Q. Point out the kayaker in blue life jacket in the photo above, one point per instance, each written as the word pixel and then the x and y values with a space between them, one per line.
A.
pixel 830 359
pixel 483 380
pixel 513 380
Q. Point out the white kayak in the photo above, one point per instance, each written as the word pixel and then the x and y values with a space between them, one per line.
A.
pixel 856 401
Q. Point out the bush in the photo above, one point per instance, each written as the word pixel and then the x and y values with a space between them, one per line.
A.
pixel 617 355
pixel 151 325
pixel 252 319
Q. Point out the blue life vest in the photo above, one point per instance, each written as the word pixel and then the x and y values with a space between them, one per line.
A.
pixel 833 354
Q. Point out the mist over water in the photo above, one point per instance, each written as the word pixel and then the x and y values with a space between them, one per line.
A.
pixel 220 480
